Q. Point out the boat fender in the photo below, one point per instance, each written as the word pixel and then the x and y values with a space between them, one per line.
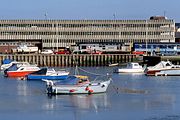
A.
pixel 72 90
pixel 103 86
pixel 90 91
pixel 87 88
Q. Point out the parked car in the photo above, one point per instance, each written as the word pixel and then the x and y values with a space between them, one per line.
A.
pixel 47 52
pixel 62 52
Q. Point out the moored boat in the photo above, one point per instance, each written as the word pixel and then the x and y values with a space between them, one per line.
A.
pixel 163 68
pixel 113 64
pixel 76 85
pixel 50 74
pixel 132 67
pixel 22 71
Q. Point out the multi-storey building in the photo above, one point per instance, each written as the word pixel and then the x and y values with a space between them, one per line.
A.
pixel 62 33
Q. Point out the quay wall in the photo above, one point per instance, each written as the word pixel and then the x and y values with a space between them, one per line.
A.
pixel 72 59
pixel 153 60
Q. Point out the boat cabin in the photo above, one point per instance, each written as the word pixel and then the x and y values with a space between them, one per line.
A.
pixel 133 65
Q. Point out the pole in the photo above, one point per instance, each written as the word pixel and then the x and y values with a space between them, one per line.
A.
pixel 114 15
pixel 57 36
pixel 146 38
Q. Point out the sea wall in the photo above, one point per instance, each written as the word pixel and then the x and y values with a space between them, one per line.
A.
pixel 71 60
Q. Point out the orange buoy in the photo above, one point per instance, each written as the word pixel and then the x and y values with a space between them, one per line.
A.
pixel 91 91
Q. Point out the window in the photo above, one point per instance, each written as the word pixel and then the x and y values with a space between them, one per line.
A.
pixel 83 47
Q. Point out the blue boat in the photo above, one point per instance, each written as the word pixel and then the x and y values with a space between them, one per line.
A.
pixel 49 74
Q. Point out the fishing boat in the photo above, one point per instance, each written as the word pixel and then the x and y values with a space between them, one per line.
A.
pixel 47 73
pixel 163 68
pixel 76 85
pixel 132 67
pixel 22 71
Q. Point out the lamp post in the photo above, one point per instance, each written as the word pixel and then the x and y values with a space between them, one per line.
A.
pixel 57 36
pixel 146 26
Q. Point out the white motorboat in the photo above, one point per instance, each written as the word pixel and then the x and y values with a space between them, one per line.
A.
pixel 76 85
pixel 163 68
pixel 132 67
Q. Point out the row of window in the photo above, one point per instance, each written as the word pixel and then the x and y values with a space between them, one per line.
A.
pixel 150 25
pixel 143 46
pixel 81 33
pixel 102 41
pixel 12 43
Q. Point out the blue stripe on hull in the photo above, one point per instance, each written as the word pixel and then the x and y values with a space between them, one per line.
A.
pixel 40 77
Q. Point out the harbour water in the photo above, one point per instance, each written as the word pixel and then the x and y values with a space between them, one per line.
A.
pixel 129 97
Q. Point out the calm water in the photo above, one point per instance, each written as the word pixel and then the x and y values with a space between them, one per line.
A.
pixel 129 97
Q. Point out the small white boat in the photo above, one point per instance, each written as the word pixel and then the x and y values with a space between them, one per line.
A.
pixel 131 68
pixel 113 64
pixel 76 85
pixel 163 68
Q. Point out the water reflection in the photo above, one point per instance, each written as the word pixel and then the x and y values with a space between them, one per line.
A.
pixel 164 101
pixel 78 102
pixel 95 101
pixel 22 88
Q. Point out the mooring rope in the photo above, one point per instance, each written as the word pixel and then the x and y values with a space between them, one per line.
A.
pixel 91 72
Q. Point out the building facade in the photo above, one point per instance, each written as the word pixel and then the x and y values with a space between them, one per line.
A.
pixel 55 34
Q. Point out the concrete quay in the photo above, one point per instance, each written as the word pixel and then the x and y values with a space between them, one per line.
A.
pixel 72 59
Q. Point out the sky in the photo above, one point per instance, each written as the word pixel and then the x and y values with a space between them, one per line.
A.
pixel 89 9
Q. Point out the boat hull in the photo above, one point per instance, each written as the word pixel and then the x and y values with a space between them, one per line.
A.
pixel 40 77
pixel 92 88
pixel 17 73
pixel 168 73
pixel 130 70
pixel 165 72
pixel 152 72
pixel 114 64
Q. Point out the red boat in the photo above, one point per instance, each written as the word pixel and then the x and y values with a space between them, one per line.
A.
pixel 22 71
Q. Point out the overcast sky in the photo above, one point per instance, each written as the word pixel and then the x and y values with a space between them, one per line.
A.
pixel 89 9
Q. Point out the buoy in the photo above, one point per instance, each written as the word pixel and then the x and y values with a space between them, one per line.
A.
pixel 91 91
pixel 72 90
pixel 87 88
